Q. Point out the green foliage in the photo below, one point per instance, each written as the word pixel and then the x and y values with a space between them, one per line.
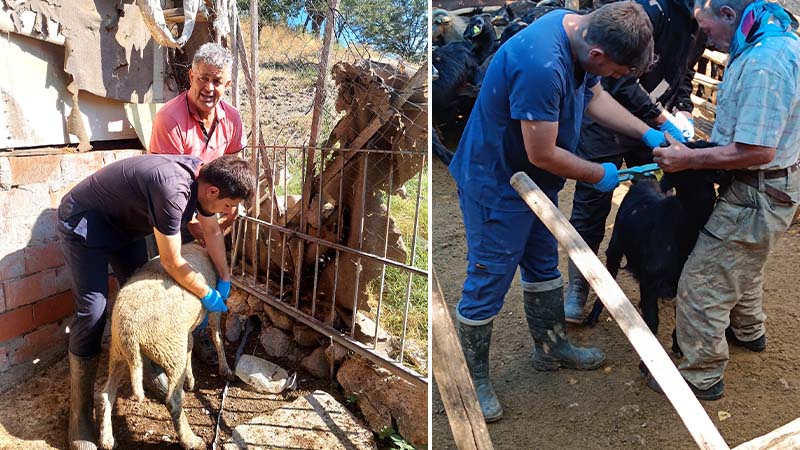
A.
pixel 273 11
pixel 395 440
pixel 394 26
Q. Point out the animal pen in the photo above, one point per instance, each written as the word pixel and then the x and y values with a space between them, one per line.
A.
pixel 337 237
pixel 453 380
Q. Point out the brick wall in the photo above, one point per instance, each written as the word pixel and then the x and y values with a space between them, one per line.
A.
pixel 36 303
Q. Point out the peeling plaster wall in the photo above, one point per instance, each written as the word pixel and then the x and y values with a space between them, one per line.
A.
pixel 87 55
pixel 35 102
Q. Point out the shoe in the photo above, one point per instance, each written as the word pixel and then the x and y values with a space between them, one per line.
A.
pixel 154 380
pixel 475 342
pixel 713 393
pixel 203 349
pixel 544 312
pixel 82 432
pixel 577 293
pixel 757 345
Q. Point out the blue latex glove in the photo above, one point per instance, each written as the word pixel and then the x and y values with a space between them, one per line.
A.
pixel 654 138
pixel 213 302
pixel 685 123
pixel 224 288
pixel 610 178
pixel 672 128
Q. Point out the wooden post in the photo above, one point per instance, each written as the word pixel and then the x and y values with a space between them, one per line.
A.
pixel 254 118
pixel 316 120
pixel 452 378
pixel 786 437
pixel 694 417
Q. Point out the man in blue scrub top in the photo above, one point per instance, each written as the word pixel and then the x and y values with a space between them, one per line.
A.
pixel 527 118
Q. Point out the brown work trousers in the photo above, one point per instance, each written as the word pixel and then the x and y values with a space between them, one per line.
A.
pixel 722 281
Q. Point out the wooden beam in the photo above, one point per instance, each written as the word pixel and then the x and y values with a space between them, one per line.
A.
pixel 694 417
pixel 175 15
pixel 706 80
pixel 786 437
pixel 716 57
pixel 452 378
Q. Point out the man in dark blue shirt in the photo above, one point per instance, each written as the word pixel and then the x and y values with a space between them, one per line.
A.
pixel 652 97
pixel 527 118
pixel 103 220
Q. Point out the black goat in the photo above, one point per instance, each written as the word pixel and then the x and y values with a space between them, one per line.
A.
pixel 480 32
pixel 443 153
pixel 446 27
pixel 454 91
pixel 656 232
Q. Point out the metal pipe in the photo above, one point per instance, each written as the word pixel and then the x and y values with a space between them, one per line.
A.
pixel 295 234
pixel 360 244
pixel 413 257
pixel 385 250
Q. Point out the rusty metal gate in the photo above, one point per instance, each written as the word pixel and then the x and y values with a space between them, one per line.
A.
pixel 338 237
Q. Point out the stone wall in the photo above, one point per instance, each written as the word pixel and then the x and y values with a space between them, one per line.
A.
pixel 36 302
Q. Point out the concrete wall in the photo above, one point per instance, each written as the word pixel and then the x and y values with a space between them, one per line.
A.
pixel 36 302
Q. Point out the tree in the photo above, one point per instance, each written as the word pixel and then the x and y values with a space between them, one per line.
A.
pixel 273 11
pixel 395 26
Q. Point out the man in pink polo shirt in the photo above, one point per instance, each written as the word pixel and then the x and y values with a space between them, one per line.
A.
pixel 198 122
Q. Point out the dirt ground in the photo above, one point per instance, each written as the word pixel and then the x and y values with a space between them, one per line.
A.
pixel 612 407
pixel 34 415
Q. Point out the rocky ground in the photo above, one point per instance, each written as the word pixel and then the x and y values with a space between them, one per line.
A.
pixel 34 414
pixel 612 407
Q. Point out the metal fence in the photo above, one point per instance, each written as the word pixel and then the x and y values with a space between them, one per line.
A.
pixel 337 238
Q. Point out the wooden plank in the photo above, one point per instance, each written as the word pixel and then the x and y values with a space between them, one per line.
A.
pixel 175 15
pixel 646 345
pixel 699 102
pixel 786 437
pixel 706 81
pixel 716 57
pixel 452 378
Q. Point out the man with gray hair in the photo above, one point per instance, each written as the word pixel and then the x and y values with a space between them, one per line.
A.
pixel 199 123
pixel 757 128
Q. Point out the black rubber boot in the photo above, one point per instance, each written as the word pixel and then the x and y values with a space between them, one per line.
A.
pixel 154 380
pixel 577 293
pixel 82 429
pixel 757 345
pixel 203 349
pixel 545 313
pixel 475 341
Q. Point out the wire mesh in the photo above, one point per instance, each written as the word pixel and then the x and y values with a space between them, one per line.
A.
pixel 340 238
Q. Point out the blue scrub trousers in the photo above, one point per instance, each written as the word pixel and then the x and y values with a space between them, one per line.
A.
pixel 498 242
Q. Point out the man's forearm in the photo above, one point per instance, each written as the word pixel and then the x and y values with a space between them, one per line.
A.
pixel 606 111
pixel 565 164
pixel 732 156
pixel 215 245
pixel 169 247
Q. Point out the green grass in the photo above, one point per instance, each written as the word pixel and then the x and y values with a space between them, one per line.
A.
pixel 396 280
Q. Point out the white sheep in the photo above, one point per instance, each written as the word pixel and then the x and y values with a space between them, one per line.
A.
pixel 154 316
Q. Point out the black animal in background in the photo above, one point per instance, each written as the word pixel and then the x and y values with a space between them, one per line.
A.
pixel 454 91
pixel 480 32
pixel 446 27
pixel 655 232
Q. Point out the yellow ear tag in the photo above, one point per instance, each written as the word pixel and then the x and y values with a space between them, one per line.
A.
pixel 659 174
pixel 476 30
